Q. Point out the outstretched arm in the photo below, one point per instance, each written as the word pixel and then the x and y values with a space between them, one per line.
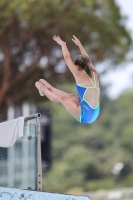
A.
pixel 78 43
pixel 83 51
pixel 66 54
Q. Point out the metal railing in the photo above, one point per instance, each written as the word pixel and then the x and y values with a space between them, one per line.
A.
pixel 21 165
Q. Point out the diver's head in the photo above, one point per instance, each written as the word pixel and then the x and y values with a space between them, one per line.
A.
pixel 83 62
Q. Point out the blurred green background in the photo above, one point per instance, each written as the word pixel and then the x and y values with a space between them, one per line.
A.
pixel 83 155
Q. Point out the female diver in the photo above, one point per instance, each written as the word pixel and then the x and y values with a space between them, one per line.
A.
pixel 84 107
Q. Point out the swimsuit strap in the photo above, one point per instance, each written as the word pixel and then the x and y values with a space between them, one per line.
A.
pixel 90 79
pixel 93 84
pixel 94 79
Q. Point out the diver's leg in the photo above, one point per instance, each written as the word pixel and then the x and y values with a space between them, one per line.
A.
pixel 49 94
pixel 70 102
pixel 72 106
pixel 53 89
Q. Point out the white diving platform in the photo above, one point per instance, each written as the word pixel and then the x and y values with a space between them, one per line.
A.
pixel 18 194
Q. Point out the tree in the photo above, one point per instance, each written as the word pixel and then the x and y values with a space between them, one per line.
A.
pixel 26 34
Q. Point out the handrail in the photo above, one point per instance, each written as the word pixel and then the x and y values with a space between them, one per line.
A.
pixel 39 160
pixel 37 115
pixel 31 130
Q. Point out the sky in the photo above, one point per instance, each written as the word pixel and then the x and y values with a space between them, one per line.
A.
pixel 121 79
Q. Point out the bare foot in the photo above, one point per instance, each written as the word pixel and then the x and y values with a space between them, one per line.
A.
pixel 44 82
pixel 40 86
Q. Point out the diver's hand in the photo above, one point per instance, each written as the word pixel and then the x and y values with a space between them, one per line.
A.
pixel 58 40
pixel 76 40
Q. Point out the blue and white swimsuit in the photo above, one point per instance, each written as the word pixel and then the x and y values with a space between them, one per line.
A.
pixel 88 114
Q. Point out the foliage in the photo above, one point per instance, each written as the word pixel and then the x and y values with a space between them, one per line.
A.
pixel 84 155
pixel 27 51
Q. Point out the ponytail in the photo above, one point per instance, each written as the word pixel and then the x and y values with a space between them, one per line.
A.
pixel 87 70
pixel 84 62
